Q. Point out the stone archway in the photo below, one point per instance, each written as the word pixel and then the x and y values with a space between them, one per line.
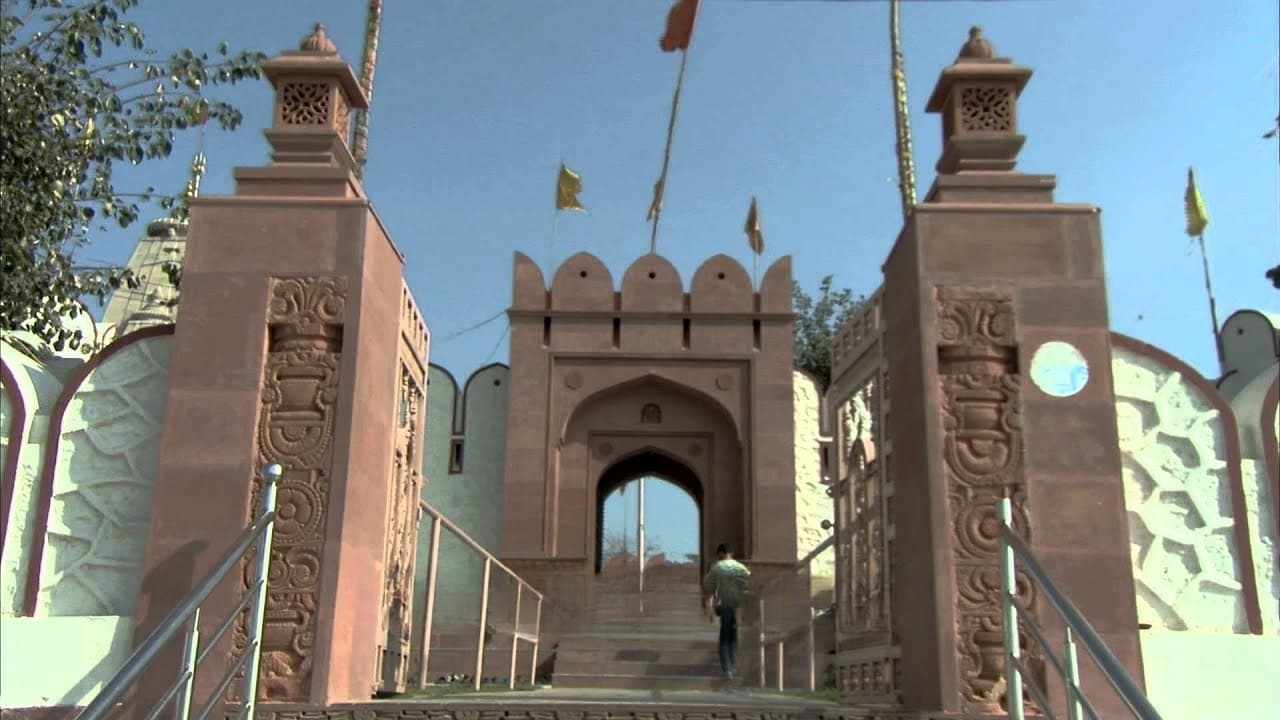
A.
pixel 648 425
pixel 650 465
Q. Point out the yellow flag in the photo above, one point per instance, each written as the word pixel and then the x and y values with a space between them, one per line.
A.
pixel 655 207
pixel 1197 214
pixel 568 185
pixel 754 237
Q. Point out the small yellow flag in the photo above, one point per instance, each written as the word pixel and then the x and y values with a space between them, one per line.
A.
pixel 1197 214
pixel 568 185
pixel 754 237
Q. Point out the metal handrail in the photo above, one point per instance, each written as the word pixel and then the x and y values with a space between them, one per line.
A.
pixel 439 521
pixel 1012 549
pixel 779 638
pixel 188 614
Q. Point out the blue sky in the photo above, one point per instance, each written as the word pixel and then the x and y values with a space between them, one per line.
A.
pixel 477 101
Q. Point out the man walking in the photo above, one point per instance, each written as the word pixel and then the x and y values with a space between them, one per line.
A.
pixel 724 584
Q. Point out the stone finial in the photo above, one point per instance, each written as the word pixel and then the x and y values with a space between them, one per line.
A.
pixel 316 93
pixel 318 42
pixel 976 48
pixel 977 97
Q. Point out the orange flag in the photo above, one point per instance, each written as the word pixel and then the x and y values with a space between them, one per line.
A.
pixel 680 26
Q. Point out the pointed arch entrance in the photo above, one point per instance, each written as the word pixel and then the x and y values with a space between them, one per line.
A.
pixel 648 512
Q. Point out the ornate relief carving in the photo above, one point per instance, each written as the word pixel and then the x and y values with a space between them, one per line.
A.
pixel 868 678
pixel 860 523
pixel 1177 483
pixel 342 118
pixel 402 536
pixel 986 109
pixel 982 444
pixel 299 394
pixel 109 441
pixel 304 103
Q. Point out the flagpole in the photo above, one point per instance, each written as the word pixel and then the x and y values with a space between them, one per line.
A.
pixel 1213 305
pixel 661 190
pixel 640 538
pixel 551 248
pixel 555 226
pixel 755 270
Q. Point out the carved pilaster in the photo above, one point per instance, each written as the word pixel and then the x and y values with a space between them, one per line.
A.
pixel 296 429
pixel 982 450
pixel 402 536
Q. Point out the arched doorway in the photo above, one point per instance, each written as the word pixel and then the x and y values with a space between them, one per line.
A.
pixel 648 513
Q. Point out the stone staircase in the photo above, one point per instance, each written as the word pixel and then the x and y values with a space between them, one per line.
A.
pixel 666 644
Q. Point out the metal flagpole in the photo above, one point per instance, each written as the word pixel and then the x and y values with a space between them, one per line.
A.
pixel 660 188
pixel 640 538
pixel 1213 306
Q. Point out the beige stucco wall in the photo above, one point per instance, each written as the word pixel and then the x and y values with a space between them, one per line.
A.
pixel 97 525
pixel 1263 535
pixel 813 505
pixel 105 466
pixel 52 661
pixel 1178 494
pixel 38 388
pixel 1204 676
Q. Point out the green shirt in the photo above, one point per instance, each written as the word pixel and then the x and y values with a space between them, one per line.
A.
pixel 727 579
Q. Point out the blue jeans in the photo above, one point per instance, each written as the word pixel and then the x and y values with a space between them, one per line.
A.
pixel 728 638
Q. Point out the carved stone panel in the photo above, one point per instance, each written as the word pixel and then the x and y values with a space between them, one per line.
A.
pixel 402 536
pixel 982 446
pixel 296 430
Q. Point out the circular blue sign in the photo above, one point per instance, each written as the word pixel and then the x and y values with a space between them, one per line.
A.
pixel 1058 369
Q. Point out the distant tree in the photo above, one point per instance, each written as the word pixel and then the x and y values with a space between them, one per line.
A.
pixel 817 322
pixel 79 92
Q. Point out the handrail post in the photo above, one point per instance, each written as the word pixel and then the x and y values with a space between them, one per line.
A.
pixel 1073 677
pixel 809 648
pixel 782 673
pixel 537 635
pixel 431 600
pixel 271 475
pixel 515 638
pixel 484 615
pixel 189 655
pixel 764 682
pixel 1008 585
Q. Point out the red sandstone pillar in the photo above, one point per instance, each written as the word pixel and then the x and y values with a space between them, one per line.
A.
pixel 986 271
pixel 292 305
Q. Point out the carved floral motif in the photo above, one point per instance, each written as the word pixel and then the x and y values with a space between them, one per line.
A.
pixel 304 103
pixel 402 535
pixel 982 445
pixel 296 429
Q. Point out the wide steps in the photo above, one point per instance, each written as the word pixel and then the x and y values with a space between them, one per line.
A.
pixel 637 682
pixel 638 668
pixel 671 645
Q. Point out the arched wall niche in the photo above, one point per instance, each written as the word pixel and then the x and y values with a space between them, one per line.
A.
pixel 635 386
